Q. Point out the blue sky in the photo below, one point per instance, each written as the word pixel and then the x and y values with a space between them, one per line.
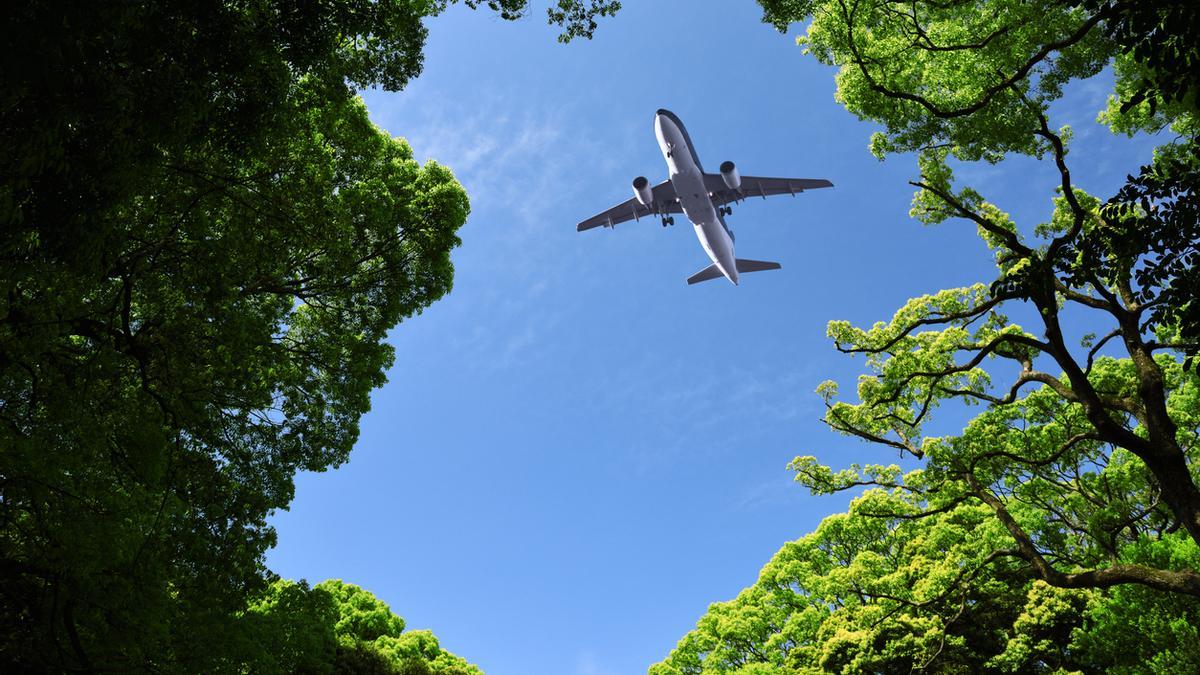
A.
pixel 576 452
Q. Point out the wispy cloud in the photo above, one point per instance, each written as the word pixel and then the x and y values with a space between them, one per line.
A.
pixel 711 396
pixel 774 492
pixel 588 664
pixel 517 162
pixel 519 165
pixel 717 406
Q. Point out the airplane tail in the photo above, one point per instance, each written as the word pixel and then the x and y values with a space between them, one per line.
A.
pixel 714 272
pixel 756 265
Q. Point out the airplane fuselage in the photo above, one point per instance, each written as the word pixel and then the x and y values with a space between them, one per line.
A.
pixel 687 177
pixel 704 198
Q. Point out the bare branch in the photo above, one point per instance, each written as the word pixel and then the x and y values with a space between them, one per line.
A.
pixel 1109 304
pixel 1097 347
pixel 1054 457
pixel 1026 377
pixel 1154 346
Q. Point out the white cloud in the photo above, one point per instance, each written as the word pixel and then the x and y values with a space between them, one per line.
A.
pixel 717 406
pixel 712 396
pixel 517 165
pixel 521 171
pixel 779 490
pixel 588 664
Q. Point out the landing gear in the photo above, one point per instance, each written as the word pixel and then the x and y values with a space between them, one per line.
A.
pixel 726 211
pixel 667 220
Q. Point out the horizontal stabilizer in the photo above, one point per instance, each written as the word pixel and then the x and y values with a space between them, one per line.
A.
pixel 710 272
pixel 756 265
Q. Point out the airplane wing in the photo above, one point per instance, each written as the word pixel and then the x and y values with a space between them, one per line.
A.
pixel 664 202
pixel 758 186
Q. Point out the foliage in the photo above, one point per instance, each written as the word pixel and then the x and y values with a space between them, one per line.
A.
pixel 1157 36
pixel 860 594
pixel 204 242
pixel 160 395
pixel 1138 630
pixel 878 590
pixel 1067 509
pixel 365 625
pixel 97 94
pixel 289 629
pixel 579 20
pixel 971 81
pixel 1151 229
pixel 340 628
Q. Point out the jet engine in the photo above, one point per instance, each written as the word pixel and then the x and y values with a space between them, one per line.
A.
pixel 641 190
pixel 729 174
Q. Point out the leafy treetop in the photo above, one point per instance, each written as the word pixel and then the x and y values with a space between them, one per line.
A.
pixel 203 244
pixel 1060 530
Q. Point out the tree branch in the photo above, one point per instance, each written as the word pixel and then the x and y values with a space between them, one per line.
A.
pixel 1019 74
pixel 939 319
pixel 1009 237
pixel 1187 582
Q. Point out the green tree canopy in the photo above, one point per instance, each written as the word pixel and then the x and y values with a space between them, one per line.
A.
pixel 159 400
pixel 971 81
pixel 877 590
pixel 337 627
pixel 1061 528
pixel 365 625
pixel 204 242
pixel 96 95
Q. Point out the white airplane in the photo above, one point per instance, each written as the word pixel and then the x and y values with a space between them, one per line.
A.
pixel 702 197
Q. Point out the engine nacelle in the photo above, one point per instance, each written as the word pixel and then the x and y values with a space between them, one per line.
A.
pixel 642 191
pixel 729 174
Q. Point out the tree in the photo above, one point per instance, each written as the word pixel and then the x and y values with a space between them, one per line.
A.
pixel 365 625
pixel 290 628
pixel 1067 510
pixel 95 94
pixel 961 88
pixel 956 81
pixel 204 244
pixel 335 627
pixel 874 593
pixel 157 409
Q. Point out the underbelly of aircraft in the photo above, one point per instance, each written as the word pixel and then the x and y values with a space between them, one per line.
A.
pixel 698 207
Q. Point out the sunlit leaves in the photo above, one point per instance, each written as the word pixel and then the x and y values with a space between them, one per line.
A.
pixel 919 574
pixel 935 74
pixel 1060 475
pixel 342 628
pixel 865 592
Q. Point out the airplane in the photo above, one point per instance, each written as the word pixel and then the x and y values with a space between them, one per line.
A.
pixel 703 197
